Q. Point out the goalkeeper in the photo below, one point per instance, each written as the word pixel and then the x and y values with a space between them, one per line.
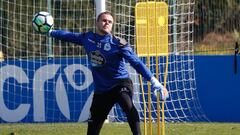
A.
pixel 107 55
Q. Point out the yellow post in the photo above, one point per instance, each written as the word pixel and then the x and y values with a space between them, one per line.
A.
pixel 163 103
pixel 152 41
pixel 148 64
pixel 151 28
pixel 158 114
pixel 157 72
pixel 144 106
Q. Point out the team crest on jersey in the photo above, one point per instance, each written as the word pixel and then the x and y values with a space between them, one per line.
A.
pixel 107 47
pixel 97 59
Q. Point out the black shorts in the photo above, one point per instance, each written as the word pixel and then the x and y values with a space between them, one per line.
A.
pixel 102 103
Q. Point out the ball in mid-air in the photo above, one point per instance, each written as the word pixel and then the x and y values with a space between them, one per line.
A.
pixel 42 22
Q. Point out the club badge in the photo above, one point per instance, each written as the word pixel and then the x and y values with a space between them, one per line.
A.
pixel 97 59
pixel 107 47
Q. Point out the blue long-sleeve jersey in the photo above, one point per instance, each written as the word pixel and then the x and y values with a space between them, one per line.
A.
pixel 106 56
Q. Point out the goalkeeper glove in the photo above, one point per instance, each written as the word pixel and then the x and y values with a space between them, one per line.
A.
pixel 158 87
pixel 49 32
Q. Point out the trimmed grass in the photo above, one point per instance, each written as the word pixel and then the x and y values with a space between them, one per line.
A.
pixel 118 129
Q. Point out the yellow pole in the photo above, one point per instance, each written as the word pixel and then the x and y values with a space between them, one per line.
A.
pixel 148 64
pixel 153 34
pixel 157 70
pixel 144 106
pixel 143 97
pixel 158 114
pixel 165 84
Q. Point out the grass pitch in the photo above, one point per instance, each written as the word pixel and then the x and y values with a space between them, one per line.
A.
pixel 118 129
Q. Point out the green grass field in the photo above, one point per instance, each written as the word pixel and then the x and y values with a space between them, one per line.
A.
pixel 119 129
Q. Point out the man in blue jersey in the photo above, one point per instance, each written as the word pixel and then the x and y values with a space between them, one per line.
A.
pixel 107 55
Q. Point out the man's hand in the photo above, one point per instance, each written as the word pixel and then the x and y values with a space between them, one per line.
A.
pixel 158 87
pixel 163 93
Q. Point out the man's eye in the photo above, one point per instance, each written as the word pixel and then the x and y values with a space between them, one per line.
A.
pixel 108 21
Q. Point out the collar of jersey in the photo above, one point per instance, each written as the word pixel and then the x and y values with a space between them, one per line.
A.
pixel 103 36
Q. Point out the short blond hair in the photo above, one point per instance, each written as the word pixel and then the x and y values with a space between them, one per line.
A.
pixel 104 13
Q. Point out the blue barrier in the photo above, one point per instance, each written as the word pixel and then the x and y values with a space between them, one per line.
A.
pixel 218 87
pixel 51 90
pixel 44 90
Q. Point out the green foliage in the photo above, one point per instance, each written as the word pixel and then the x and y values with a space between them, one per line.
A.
pixel 219 18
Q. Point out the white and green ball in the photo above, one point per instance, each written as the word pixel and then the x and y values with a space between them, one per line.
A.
pixel 42 22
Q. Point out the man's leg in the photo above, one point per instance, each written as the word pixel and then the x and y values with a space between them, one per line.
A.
pixel 94 127
pixel 125 101
pixel 101 105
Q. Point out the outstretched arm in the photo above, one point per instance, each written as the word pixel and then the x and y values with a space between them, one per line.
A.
pixel 67 36
pixel 135 62
pixel 141 68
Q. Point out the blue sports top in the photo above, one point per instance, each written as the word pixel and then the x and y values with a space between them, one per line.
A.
pixel 106 56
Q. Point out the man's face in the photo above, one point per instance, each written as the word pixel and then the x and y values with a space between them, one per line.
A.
pixel 104 24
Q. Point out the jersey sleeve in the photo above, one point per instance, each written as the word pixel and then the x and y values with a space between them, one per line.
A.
pixel 135 62
pixel 67 36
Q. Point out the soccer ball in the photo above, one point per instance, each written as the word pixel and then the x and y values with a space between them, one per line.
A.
pixel 42 22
